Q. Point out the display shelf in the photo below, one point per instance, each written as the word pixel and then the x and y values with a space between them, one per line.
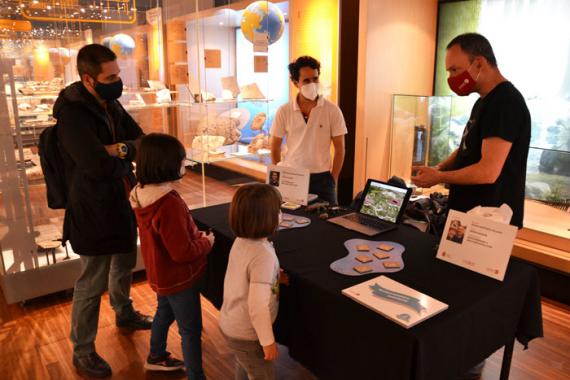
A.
pixel 136 107
pixel 223 153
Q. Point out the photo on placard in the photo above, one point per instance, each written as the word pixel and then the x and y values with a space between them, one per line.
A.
pixel 274 178
pixel 456 231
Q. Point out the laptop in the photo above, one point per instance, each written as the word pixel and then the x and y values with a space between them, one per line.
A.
pixel 380 209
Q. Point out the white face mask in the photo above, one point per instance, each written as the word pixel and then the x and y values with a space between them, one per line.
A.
pixel 310 90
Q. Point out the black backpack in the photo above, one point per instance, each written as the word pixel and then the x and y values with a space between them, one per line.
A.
pixel 53 168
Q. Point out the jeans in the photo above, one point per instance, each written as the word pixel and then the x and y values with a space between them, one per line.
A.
pixel 323 185
pixel 250 362
pixel 184 308
pixel 98 272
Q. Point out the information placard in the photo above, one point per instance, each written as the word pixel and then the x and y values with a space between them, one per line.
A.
pixel 476 243
pixel 292 183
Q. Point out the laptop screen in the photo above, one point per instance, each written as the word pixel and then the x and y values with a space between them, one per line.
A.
pixel 383 201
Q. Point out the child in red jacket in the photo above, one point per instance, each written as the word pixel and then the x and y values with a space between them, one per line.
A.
pixel 174 252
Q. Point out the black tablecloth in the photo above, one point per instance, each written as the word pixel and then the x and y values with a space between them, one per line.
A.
pixel 337 338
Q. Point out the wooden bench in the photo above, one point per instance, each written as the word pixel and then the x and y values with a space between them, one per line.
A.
pixel 545 238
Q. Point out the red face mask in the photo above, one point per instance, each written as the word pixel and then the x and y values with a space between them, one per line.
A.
pixel 462 84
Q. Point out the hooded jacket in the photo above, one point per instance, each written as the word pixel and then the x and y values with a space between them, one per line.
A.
pixel 173 249
pixel 98 217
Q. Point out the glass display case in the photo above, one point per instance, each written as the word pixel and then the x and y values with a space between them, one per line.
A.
pixel 422 133
pixel 426 129
pixel 39 42
pixel 236 60
pixel 228 66
pixel 212 73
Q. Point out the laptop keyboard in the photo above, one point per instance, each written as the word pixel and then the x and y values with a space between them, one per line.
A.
pixel 371 222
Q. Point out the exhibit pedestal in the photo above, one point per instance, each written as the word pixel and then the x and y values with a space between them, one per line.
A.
pixel 48 279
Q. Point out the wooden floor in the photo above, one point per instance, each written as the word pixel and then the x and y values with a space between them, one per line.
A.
pixel 34 341
pixel 34 344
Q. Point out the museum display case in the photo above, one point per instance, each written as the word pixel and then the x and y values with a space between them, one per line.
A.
pixel 212 73
pixel 39 41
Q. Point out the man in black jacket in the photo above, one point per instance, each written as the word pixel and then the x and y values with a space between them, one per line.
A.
pixel 98 141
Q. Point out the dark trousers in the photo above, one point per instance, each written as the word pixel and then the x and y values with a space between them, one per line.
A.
pixel 98 273
pixel 323 185
pixel 184 308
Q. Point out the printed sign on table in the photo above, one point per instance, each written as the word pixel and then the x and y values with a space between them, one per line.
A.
pixel 292 183
pixel 476 243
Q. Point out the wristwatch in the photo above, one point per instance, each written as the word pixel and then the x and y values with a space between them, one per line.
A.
pixel 122 150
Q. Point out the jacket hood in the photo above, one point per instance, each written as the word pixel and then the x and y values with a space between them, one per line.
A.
pixel 75 95
pixel 142 197
pixel 146 201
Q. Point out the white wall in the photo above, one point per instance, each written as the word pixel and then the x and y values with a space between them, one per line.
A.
pixel 396 56
pixel 200 37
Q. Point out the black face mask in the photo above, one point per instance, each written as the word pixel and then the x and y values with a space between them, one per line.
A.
pixel 110 91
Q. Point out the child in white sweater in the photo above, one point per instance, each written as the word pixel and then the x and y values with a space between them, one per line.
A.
pixel 251 285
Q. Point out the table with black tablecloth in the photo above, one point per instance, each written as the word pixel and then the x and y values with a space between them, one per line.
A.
pixel 337 338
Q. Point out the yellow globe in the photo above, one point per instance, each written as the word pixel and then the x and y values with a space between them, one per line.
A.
pixel 263 17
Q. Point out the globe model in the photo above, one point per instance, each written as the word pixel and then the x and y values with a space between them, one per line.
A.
pixel 107 42
pixel 263 17
pixel 122 44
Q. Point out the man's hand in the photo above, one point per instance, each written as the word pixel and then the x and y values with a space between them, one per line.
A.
pixel 426 176
pixel 112 150
pixel 270 351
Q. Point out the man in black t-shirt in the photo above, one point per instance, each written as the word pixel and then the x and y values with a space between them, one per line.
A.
pixel 489 167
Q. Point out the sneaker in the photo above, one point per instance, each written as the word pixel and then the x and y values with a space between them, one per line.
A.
pixel 92 365
pixel 165 363
pixel 138 321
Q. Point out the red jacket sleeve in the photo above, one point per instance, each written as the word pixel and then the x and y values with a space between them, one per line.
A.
pixel 178 232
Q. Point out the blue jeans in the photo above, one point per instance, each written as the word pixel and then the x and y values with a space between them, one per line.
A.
pixel 184 308
pixel 323 185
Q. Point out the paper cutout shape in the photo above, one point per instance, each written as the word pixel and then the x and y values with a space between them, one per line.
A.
pixel 346 264
pixel 292 221
pixel 400 298
pixel 251 91
pixel 230 84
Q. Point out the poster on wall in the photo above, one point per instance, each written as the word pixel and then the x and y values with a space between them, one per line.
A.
pixel 292 183
pixel 476 243
pixel 260 64
pixel 213 58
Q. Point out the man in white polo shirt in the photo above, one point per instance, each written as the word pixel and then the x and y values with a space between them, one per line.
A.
pixel 309 123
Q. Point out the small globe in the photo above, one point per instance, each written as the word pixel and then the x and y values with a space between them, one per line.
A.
pixel 122 44
pixel 263 17
pixel 107 42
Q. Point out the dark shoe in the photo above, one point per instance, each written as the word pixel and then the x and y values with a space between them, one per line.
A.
pixel 92 365
pixel 138 321
pixel 166 363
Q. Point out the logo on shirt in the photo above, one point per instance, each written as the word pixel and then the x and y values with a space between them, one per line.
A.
pixel 275 287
